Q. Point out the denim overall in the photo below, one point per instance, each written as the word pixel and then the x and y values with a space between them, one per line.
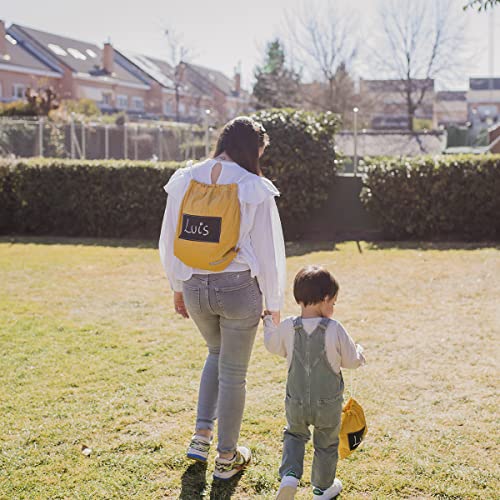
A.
pixel 313 397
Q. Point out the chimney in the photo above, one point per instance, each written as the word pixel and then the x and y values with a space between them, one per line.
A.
pixel 237 83
pixel 3 41
pixel 108 54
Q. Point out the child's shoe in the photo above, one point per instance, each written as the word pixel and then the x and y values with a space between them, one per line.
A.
pixel 199 448
pixel 330 492
pixel 288 487
pixel 227 468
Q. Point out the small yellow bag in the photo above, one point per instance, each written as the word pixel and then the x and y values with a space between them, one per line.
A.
pixel 353 427
pixel 208 228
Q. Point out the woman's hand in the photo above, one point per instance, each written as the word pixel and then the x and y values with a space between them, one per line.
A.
pixel 180 307
pixel 276 317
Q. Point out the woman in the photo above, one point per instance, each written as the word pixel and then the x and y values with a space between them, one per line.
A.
pixel 225 305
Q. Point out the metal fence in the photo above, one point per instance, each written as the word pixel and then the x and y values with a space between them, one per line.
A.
pixel 96 140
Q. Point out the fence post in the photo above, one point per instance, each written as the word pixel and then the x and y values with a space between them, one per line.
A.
pixel 106 141
pixel 189 144
pixel 207 138
pixel 355 161
pixel 135 141
pixel 83 141
pixel 160 153
pixel 125 140
pixel 72 134
pixel 40 136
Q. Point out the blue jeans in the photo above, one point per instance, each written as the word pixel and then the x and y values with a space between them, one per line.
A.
pixel 226 308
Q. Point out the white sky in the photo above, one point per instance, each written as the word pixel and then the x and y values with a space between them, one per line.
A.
pixel 221 33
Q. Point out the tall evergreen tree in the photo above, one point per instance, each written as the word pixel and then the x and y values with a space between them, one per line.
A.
pixel 276 86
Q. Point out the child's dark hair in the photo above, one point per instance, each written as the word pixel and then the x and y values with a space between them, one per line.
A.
pixel 312 284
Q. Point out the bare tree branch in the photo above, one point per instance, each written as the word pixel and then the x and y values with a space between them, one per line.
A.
pixel 420 41
pixel 322 40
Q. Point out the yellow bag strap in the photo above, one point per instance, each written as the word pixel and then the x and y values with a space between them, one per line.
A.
pixel 353 384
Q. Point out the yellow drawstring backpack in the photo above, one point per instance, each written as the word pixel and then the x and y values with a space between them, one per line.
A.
pixel 208 227
pixel 353 427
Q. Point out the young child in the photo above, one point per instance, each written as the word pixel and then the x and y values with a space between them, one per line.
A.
pixel 316 347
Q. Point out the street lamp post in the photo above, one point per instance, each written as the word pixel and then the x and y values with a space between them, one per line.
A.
pixel 355 168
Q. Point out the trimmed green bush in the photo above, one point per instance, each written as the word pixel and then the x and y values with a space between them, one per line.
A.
pixel 301 160
pixel 435 198
pixel 112 198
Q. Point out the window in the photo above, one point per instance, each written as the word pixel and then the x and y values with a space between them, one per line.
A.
pixel 182 108
pixel 169 108
pixel 19 91
pixel 138 103
pixel 91 53
pixel 57 50
pixel 13 41
pixel 106 99
pixel 77 54
pixel 0 90
pixel 122 102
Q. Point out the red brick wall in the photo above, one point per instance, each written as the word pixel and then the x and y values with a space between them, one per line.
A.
pixel 493 134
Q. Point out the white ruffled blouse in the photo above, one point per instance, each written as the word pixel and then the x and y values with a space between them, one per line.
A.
pixel 261 245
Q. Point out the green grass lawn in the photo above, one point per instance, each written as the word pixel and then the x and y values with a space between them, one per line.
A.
pixel 92 354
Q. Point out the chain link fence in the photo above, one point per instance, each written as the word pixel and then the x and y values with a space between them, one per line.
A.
pixel 163 141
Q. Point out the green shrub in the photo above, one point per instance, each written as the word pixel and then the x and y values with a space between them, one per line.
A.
pixel 16 108
pixel 85 107
pixel 301 160
pixel 444 197
pixel 21 138
pixel 111 198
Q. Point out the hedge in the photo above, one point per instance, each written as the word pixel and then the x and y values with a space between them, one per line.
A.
pixel 118 198
pixel 300 160
pixel 446 197
pixel 113 198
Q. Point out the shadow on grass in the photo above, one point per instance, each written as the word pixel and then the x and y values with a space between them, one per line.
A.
pixel 293 248
pixel 194 482
pixel 430 245
pixel 224 489
pixel 94 242
pixel 298 248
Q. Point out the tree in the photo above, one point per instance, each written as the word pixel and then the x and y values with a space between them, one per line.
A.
pixel 276 85
pixel 481 5
pixel 421 41
pixel 323 41
pixel 42 101
pixel 178 55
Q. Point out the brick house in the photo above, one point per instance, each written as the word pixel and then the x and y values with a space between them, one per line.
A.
pixel 20 70
pixel 185 92
pixel 85 70
pixel 386 100
pixel 450 108
pixel 227 98
pixel 169 97
pixel 116 80
pixel 483 101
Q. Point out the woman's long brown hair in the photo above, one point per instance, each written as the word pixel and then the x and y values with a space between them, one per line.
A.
pixel 241 139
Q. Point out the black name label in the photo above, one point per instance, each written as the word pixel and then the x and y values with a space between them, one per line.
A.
pixel 196 228
pixel 355 438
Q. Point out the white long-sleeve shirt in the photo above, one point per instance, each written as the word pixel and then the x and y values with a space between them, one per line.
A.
pixel 261 245
pixel 341 351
